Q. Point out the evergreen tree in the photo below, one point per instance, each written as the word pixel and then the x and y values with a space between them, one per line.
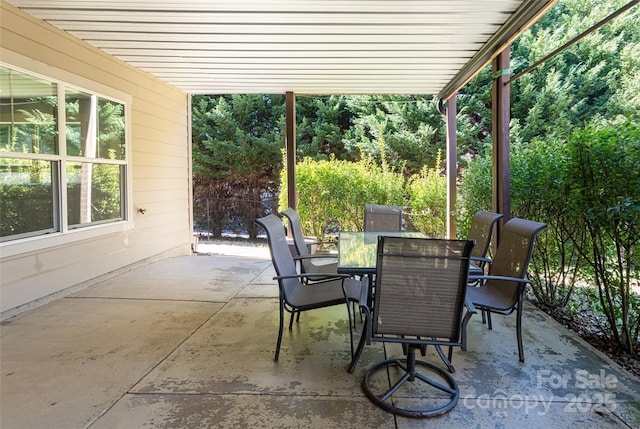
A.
pixel 237 143
pixel 321 125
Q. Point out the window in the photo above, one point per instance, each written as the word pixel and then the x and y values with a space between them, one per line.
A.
pixel 63 157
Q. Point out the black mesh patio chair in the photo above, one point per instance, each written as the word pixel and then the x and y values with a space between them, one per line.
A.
pixel 311 263
pixel 379 218
pixel 324 266
pixel 296 296
pixel 502 290
pixel 481 230
pixel 419 300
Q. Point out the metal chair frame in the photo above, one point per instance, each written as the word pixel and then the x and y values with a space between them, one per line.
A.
pixel 321 264
pixel 482 225
pixel 295 296
pixel 502 290
pixel 419 301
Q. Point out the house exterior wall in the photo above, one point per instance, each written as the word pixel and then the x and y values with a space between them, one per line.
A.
pixel 160 168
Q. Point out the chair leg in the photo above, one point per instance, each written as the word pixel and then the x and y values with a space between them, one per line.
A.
pixel 519 330
pixel 447 361
pixel 355 357
pixel 279 331
pixel 463 337
pixel 350 328
pixel 293 313
pixel 423 350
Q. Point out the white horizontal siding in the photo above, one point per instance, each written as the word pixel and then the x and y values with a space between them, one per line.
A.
pixel 160 171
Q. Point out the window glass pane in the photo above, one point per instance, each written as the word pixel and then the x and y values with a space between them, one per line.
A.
pixel 95 126
pixel 111 137
pixel 28 113
pixel 80 123
pixel 94 193
pixel 27 197
pixel 32 194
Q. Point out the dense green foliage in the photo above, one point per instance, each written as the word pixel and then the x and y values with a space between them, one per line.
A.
pixel 587 189
pixel 538 173
pixel 19 199
pixel 597 77
pixel 236 155
pixel 603 184
pixel 427 200
pixel 332 193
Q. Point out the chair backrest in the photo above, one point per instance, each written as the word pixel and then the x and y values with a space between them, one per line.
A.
pixel 382 218
pixel 296 230
pixel 482 225
pixel 280 253
pixel 514 253
pixel 421 286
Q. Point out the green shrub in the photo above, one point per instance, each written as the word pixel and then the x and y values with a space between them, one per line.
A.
pixel 587 190
pixel 427 193
pixel 537 193
pixel 331 194
pixel 538 179
pixel 474 192
pixel 603 190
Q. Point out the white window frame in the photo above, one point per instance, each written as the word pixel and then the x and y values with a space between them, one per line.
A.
pixel 68 235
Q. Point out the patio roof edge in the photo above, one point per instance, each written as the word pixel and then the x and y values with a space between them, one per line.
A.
pixel 526 15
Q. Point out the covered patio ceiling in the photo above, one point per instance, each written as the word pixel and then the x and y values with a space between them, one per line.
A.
pixel 304 47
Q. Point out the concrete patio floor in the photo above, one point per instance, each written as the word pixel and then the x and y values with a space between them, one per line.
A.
pixel 188 342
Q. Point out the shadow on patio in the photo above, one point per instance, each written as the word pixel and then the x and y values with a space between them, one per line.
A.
pixel 188 342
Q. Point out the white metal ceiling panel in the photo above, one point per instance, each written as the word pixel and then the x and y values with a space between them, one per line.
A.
pixel 304 46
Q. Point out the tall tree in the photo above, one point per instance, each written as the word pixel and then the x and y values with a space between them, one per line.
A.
pixel 406 131
pixel 237 144
pixel 321 125
pixel 582 82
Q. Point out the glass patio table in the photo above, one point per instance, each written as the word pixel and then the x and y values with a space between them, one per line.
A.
pixel 357 250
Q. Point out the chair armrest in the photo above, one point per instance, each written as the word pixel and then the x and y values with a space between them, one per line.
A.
pixel 309 275
pixel 315 256
pixel 470 307
pixel 480 262
pixel 313 245
pixel 471 310
pixel 501 278
pixel 320 242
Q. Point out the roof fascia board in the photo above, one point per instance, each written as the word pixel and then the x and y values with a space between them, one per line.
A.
pixel 526 15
